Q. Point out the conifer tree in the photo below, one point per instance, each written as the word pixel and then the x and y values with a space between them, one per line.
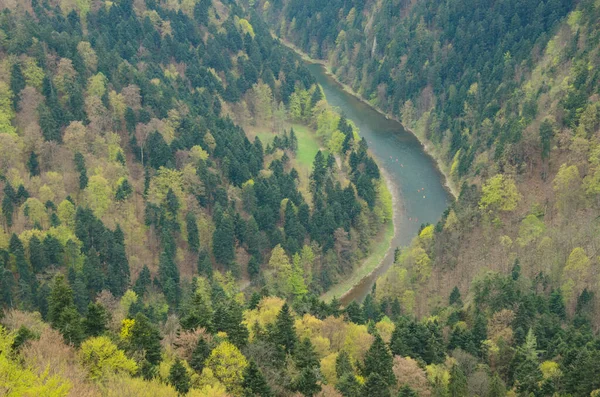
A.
pixel 378 360
pixel 458 382
pixel 376 386
pixel 199 355
pixel 284 334
pixel 192 232
pixel 305 355
pixel 255 384
pixel 96 320
pixel 179 378
pixel 307 383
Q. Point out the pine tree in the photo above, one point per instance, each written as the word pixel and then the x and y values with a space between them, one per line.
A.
pixel 96 320
pixel 526 365
pixel 145 338
pixel 62 312
pixel 378 360
pixel 118 266
pixel 406 391
pixel 343 366
pixel 285 332
pixel 307 383
pixel 92 272
pixel 255 384
pixel 179 378
pixel 143 282
pixel 199 355
pixel 192 232
pixel 376 386
pixel 36 255
pixel 455 297
pixel 348 386
pixel 458 382
pixel 33 164
pixel 224 240
pixel 204 265
pixel 168 275
pixel 305 355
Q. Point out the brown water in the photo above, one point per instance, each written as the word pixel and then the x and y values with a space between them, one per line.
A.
pixel 414 176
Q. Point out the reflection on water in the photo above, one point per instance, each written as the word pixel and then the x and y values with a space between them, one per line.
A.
pixel 418 183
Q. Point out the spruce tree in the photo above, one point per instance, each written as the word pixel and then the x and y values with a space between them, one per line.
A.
pixel 305 355
pixel 307 383
pixel 349 386
pixel 376 386
pixel 96 320
pixel 199 355
pixel 379 360
pixel 143 282
pixel 406 391
pixel 192 232
pixel 179 378
pixel 33 164
pixel 458 382
pixel 343 366
pixel 204 265
pixel 284 334
pixel 455 298
pixel 255 384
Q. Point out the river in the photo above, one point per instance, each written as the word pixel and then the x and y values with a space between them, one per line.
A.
pixel 417 182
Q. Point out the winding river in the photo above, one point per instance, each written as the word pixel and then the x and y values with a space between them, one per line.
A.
pixel 418 185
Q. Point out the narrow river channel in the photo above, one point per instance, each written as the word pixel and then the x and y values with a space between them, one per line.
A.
pixel 418 184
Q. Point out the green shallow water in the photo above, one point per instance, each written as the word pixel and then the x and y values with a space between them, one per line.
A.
pixel 418 183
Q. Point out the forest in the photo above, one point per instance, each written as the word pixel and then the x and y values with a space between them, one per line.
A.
pixel 177 194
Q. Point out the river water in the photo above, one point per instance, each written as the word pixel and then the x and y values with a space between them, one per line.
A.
pixel 418 184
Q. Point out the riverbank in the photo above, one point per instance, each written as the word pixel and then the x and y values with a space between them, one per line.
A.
pixel 382 248
pixel 428 147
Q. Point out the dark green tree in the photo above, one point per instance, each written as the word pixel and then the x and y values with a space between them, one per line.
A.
pixel 193 237
pixel 284 333
pixel 455 298
pixel 458 383
pixel 305 355
pixel 199 355
pixel 376 386
pixel 307 383
pixel 96 321
pixel 255 384
pixel 145 338
pixel 33 164
pixel 179 378
pixel 379 360
pixel 406 391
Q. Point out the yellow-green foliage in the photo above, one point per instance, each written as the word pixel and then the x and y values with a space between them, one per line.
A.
pixel 575 273
pixel 97 85
pixel 567 186
pixel 17 380
pixel 125 386
pixel 98 195
pixel 6 111
pixel 499 193
pixel 228 365
pixel 264 314
pixel 531 228
pixel 101 357
pixel 246 27
pixel 34 75
pixel 35 211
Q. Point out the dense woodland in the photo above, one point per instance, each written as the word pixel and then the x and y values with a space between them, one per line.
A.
pixel 153 244
pixel 506 94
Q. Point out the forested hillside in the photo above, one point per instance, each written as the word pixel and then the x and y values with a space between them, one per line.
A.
pixel 161 161
pixel 506 96
pixel 177 193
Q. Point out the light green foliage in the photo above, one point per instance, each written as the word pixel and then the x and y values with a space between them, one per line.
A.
pixel 6 111
pixel 34 75
pixel 296 281
pixel 164 180
pixel 228 364
pixel 575 273
pixel 101 357
pixel 88 55
pixel 35 211
pixel 336 142
pixel 499 193
pixel 246 27
pixel 98 195
pixel 531 228
pixel 97 85
pixel 17 380
pixel 567 187
pixel 281 271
